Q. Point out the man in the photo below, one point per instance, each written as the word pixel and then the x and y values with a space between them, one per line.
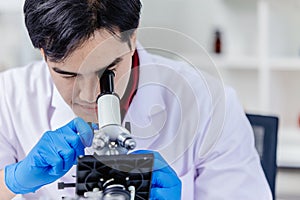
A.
pixel 170 106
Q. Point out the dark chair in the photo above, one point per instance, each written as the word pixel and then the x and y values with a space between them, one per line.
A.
pixel 265 133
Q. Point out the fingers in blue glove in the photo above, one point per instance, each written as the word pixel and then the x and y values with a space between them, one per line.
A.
pixel 159 161
pixel 165 182
pixel 65 151
pixel 51 157
pixel 83 129
pixel 93 125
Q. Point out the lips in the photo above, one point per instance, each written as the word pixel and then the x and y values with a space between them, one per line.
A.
pixel 90 108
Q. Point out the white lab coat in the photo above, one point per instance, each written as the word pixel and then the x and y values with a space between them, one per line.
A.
pixel 197 125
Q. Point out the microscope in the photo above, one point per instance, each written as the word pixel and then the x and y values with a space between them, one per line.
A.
pixel 110 173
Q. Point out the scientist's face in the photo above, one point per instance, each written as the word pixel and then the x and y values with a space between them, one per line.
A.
pixel 76 78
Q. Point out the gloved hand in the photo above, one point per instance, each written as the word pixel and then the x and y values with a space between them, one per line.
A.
pixel 52 157
pixel 165 182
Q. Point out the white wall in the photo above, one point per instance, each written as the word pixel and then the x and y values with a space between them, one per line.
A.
pixel 15 48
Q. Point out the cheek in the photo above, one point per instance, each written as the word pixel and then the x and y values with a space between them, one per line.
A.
pixel 122 78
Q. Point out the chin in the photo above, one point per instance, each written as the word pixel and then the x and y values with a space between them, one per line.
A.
pixel 88 117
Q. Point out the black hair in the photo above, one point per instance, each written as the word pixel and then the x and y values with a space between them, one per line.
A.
pixel 60 26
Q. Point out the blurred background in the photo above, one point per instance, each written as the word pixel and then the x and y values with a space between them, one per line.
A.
pixel 254 43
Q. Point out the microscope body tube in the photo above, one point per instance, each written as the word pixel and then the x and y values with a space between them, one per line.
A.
pixel 109 110
pixel 109 118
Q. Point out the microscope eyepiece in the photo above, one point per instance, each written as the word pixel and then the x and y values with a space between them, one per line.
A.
pixel 107 82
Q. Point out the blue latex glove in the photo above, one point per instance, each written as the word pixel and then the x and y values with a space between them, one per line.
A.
pixel 52 157
pixel 165 182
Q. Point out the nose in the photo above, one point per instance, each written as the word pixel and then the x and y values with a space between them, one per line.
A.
pixel 89 89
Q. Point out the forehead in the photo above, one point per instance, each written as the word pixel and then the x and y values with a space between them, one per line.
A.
pixel 97 52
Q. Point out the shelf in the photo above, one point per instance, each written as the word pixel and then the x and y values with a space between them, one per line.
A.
pixel 285 64
pixel 251 63
pixel 288 148
pixel 224 62
pixel 240 63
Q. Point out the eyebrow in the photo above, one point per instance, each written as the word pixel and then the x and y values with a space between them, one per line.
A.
pixel 59 71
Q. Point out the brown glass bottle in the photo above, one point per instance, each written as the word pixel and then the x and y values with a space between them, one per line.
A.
pixel 218 42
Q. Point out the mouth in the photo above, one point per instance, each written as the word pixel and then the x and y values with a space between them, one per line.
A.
pixel 89 108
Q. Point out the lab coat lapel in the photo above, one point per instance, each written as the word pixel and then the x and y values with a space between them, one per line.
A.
pixel 146 116
pixel 62 113
pixel 147 112
pixel 164 111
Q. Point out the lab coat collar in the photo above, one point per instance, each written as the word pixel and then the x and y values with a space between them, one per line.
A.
pixel 145 78
pixel 148 107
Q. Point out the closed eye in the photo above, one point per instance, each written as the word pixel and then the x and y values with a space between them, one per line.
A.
pixel 65 73
pixel 70 76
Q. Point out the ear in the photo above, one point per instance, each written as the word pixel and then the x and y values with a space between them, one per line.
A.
pixel 43 53
pixel 133 42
